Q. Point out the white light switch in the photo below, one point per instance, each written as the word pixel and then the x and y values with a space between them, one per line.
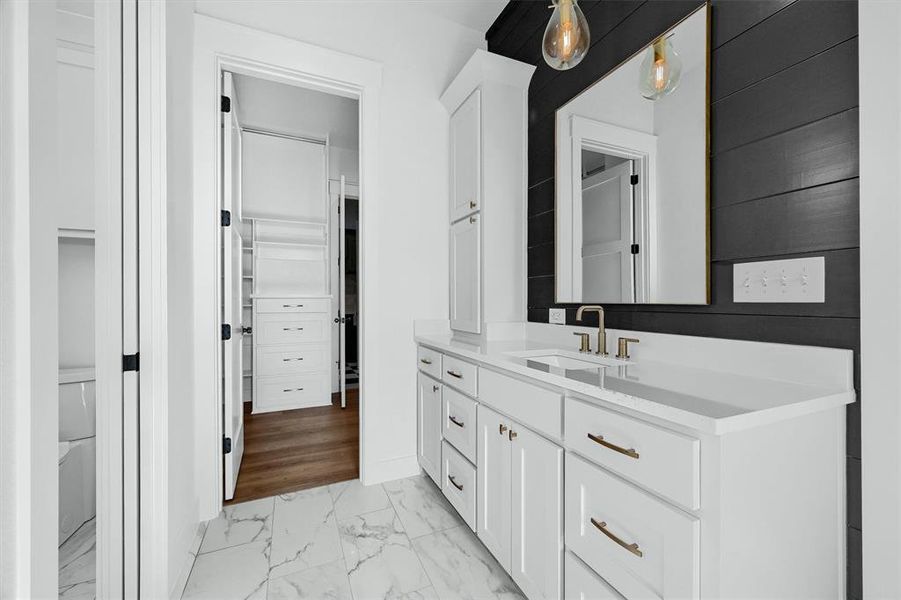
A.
pixel 557 316
pixel 793 280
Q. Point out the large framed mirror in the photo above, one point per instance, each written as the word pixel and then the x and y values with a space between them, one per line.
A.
pixel 632 178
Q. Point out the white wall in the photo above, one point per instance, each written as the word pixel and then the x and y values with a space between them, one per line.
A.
pixel 419 55
pixel 880 297
pixel 183 512
pixel 76 302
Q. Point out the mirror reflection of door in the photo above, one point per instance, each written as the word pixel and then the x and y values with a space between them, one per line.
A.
pixel 608 266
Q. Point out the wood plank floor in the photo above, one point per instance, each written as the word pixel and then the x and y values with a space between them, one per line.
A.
pixel 294 450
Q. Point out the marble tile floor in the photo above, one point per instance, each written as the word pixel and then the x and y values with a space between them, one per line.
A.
pixel 78 564
pixel 399 540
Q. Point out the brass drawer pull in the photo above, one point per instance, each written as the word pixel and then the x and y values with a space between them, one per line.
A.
pixel 292 328
pixel 290 359
pixel 425 361
pixel 602 527
pixel 454 482
pixel 456 374
pixel 454 420
pixel 293 390
pixel 630 452
pixel 292 305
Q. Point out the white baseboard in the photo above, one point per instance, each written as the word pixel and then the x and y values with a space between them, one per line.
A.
pixel 178 586
pixel 389 470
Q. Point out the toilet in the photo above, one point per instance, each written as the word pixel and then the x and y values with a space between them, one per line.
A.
pixel 77 450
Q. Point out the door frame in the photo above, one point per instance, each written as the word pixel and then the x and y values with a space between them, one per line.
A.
pixel 221 46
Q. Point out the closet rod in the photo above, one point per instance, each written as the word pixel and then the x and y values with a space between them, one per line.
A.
pixel 283 135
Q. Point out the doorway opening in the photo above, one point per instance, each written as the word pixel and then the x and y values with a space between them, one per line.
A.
pixel 289 277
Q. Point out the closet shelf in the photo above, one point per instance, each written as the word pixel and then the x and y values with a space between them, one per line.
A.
pixel 311 243
pixel 290 221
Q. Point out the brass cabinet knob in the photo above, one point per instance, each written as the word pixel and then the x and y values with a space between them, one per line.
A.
pixel 501 429
pixel 472 204
pixel 512 435
pixel 622 347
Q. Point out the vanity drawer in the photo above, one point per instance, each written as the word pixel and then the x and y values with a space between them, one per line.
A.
pixel 429 361
pixel 666 462
pixel 459 422
pixel 291 328
pixel 639 544
pixel 293 305
pixel 536 407
pixel 294 391
pixel 458 482
pixel 460 374
pixel 581 583
pixel 284 360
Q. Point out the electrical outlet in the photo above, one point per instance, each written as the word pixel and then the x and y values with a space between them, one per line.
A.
pixel 793 280
pixel 557 316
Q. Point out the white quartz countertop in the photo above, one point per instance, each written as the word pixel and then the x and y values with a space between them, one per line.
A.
pixel 708 401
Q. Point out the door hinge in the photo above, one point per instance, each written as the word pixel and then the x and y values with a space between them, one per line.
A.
pixel 226 445
pixel 130 362
pixel 634 248
pixel 635 180
pixel 226 104
pixel 225 218
pixel 226 331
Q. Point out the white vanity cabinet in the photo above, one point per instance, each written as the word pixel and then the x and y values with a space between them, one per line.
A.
pixel 428 404
pixel 466 160
pixel 520 503
pixel 487 107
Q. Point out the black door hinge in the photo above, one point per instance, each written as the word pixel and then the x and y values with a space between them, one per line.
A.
pixel 226 104
pixel 634 248
pixel 226 331
pixel 225 218
pixel 226 445
pixel 635 180
pixel 130 362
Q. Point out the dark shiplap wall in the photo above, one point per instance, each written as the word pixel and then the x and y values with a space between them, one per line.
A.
pixel 783 167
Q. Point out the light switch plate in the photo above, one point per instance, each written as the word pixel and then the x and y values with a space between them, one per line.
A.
pixel 557 316
pixel 793 280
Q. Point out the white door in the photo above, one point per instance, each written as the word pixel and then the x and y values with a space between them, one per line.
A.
pixel 465 134
pixel 342 294
pixel 493 489
pixel 465 275
pixel 537 514
pixel 232 271
pixel 428 396
pixel 605 263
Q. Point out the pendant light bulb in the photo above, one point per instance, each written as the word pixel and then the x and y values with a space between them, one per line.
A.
pixel 566 38
pixel 660 70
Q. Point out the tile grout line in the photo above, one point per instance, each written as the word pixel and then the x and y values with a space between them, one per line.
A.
pixel 340 542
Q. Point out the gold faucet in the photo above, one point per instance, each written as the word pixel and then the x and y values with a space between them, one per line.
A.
pixel 602 331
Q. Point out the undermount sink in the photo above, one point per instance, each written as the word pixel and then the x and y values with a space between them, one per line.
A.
pixel 562 359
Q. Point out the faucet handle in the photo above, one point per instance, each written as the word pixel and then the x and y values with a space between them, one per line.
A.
pixel 622 347
pixel 584 341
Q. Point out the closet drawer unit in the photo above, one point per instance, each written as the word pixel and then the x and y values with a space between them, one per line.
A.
pixel 429 361
pixel 291 328
pixel 460 374
pixel 458 482
pixel 536 407
pixel 292 391
pixel 581 583
pixel 285 360
pixel 664 461
pixel 293 305
pixel 639 544
pixel 459 422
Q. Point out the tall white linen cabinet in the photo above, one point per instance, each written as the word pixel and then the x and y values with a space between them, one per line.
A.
pixel 488 106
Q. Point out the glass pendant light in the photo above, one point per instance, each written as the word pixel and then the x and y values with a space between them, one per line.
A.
pixel 660 70
pixel 566 38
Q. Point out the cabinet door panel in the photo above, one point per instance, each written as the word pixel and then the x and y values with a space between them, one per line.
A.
pixel 465 275
pixel 493 488
pixel 429 414
pixel 536 514
pixel 465 134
